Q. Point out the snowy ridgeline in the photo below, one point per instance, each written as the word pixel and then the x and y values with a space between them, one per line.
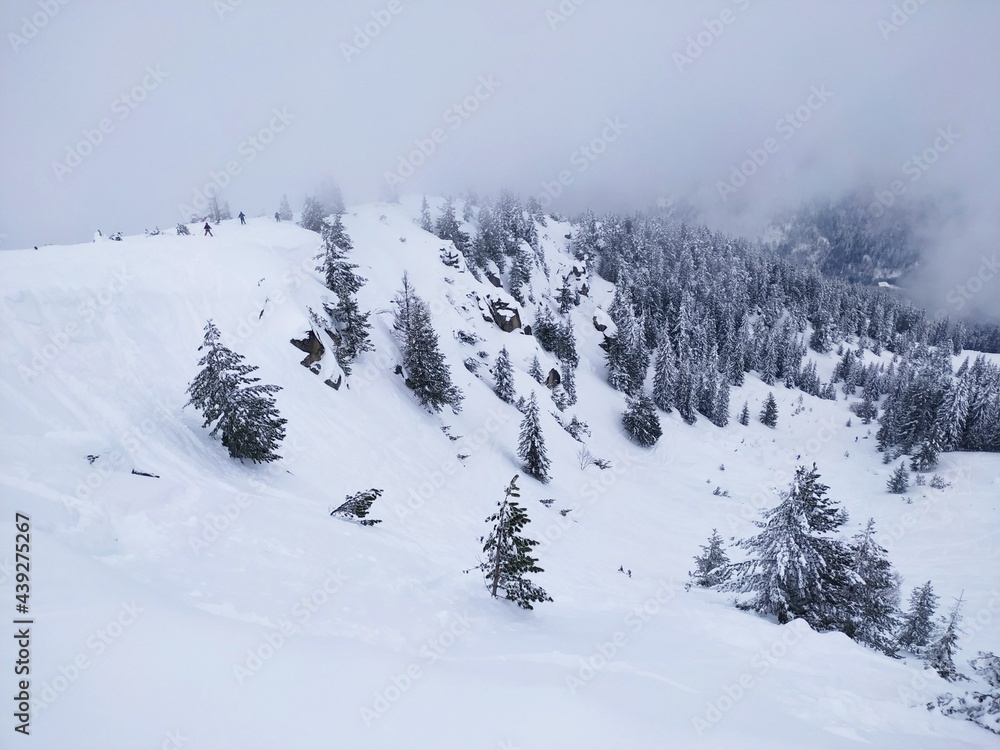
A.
pixel 674 382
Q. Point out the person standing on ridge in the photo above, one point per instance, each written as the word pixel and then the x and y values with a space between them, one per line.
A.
pixel 208 230
pixel 277 217
pixel 242 218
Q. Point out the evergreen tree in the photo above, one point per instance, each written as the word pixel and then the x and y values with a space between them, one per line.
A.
pixel 664 375
pixel 798 570
pixel 626 353
pixel 535 370
pixel 330 199
pixel 242 409
pixel 899 482
pixel 565 297
pixel 745 414
pixel 917 628
pixel 447 227
pixel 640 420
pixel 285 210
pixel 425 217
pixel 488 245
pixel 686 390
pixel 534 209
pixel 866 409
pixel 926 457
pixel 569 384
pixel 565 343
pixel 712 565
pixel 531 444
pixel 427 373
pixel 213 389
pixel 545 329
pixel 769 414
pixel 940 654
pixel 214 210
pixel 559 397
pixel 508 554
pixel 520 275
pixel 822 336
pixel 720 404
pixel 352 325
pixel 312 215
pixel 503 375
pixel 874 594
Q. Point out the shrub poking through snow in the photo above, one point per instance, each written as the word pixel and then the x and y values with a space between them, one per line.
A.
pixel 357 506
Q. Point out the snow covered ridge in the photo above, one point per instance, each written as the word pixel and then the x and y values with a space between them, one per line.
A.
pixel 264 621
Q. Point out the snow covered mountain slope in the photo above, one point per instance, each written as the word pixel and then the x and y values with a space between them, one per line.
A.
pixel 218 605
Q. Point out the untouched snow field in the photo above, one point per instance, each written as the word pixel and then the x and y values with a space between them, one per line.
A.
pixel 220 606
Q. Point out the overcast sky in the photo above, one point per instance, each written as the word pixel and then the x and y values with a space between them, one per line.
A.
pixel 627 102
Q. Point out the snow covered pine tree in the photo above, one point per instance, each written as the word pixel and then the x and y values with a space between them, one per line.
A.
pixel 918 622
pixel 244 412
pixel 940 654
pixel 640 420
pixel 745 414
pixel 426 371
pixel 875 594
pixel 312 215
pixel 351 324
pixel 712 565
pixel 899 482
pixel 503 377
pixel 769 414
pixel 531 444
pixel 799 570
pixel 508 555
